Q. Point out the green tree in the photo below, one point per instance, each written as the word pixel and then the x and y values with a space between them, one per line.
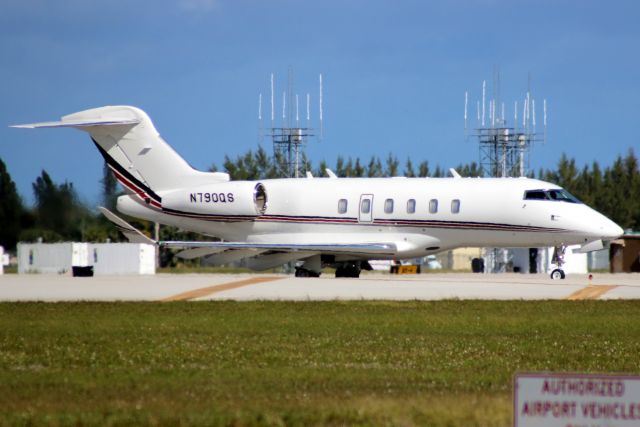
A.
pixel 358 170
pixel 321 171
pixel 408 169
pixel 11 210
pixel 58 209
pixel 340 168
pixel 375 168
pixel 109 185
pixel 265 165
pixel 392 166
pixel 242 168
pixel 472 169
pixel 423 169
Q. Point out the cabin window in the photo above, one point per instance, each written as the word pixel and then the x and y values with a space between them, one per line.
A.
pixel 365 206
pixel 388 206
pixel 455 206
pixel 433 206
pixel 342 206
pixel 411 206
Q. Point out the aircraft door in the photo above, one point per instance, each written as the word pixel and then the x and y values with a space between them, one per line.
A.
pixel 366 208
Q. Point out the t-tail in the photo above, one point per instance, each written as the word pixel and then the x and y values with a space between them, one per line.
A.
pixel 134 150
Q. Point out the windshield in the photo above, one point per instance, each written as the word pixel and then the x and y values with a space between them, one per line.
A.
pixel 560 195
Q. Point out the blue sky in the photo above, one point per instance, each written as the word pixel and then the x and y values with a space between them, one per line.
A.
pixel 395 73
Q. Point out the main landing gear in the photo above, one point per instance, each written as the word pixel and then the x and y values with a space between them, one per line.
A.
pixel 312 267
pixel 558 259
pixel 348 270
pixel 303 272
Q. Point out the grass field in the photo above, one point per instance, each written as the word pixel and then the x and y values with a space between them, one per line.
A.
pixel 442 363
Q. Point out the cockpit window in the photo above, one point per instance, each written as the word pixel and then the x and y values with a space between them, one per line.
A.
pixel 535 195
pixel 557 195
pixel 562 195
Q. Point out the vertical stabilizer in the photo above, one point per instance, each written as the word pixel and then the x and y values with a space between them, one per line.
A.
pixel 132 147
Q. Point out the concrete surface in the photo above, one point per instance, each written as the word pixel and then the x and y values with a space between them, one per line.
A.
pixel 243 287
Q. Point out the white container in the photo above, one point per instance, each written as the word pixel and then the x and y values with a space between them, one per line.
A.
pixel 44 257
pixel 106 258
pixel 122 258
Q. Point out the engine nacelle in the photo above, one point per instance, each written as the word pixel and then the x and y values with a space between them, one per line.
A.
pixel 234 198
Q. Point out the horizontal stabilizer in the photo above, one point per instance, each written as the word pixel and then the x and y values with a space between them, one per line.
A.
pixel 80 123
pixel 130 232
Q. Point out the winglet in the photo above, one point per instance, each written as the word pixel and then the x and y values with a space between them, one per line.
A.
pixel 130 232
pixel 454 173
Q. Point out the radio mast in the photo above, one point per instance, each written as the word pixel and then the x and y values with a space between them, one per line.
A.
pixel 290 137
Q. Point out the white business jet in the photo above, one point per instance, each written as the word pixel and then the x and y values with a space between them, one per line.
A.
pixel 342 222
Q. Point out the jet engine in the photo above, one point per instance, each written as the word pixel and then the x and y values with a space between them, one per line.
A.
pixel 235 198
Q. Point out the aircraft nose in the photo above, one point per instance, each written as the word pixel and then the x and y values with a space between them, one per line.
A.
pixel 611 230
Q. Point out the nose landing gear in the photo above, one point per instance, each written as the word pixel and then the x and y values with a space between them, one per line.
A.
pixel 558 259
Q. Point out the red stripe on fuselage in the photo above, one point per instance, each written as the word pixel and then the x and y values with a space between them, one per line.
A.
pixel 133 187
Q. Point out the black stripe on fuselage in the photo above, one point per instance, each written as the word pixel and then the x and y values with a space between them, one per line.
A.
pixel 209 217
pixel 125 173
pixel 461 225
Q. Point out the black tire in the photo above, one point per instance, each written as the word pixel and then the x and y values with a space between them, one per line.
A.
pixel 353 271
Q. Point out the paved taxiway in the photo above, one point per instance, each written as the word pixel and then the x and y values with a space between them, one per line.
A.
pixel 243 287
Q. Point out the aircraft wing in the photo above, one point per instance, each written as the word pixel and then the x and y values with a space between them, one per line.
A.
pixel 381 248
pixel 195 249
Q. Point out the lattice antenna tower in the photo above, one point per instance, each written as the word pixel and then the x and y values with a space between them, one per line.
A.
pixel 292 134
pixel 504 148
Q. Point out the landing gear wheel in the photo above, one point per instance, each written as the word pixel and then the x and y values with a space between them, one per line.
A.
pixel 303 272
pixel 558 259
pixel 348 270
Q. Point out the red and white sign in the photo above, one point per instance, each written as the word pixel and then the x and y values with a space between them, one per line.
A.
pixel 576 400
